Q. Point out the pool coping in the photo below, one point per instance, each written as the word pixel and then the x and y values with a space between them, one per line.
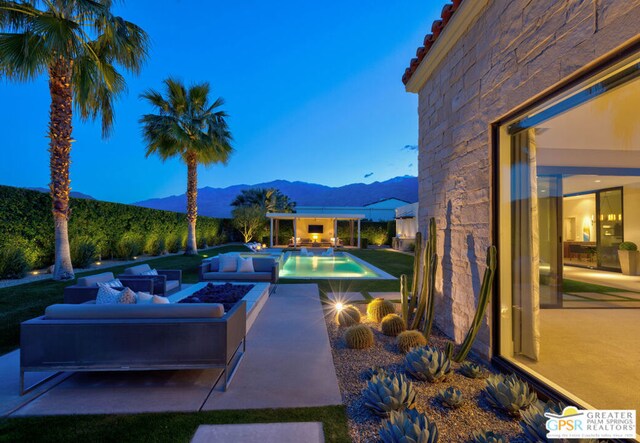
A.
pixel 382 275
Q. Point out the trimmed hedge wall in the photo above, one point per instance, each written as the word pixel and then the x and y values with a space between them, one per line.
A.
pixel 116 229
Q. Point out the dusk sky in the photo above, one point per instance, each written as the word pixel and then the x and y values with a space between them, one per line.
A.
pixel 313 91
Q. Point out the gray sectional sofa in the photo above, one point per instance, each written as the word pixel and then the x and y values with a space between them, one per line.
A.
pixel 86 288
pixel 90 337
pixel 266 270
pixel 166 282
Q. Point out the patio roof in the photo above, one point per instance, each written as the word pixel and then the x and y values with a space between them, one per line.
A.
pixel 296 216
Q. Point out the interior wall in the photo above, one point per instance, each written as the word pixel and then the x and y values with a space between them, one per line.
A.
pixel 582 209
pixel 303 229
pixel 631 201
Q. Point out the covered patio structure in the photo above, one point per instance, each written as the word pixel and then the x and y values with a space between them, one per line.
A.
pixel 314 229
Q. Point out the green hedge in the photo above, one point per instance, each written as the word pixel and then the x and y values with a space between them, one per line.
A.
pixel 377 233
pixel 26 223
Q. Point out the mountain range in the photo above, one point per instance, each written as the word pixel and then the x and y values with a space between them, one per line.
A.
pixel 74 194
pixel 216 202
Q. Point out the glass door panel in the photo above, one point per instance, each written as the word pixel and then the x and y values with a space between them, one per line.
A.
pixel 610 231
pixel 550 240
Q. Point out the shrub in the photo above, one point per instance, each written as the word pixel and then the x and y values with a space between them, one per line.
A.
pixel 392 325
pixel 451 397
pixel 13 263
pixel 628 246
pixel 509 393
pixel 173 243
pixel 375 234
pixel 378 308
pixel 154 245
pixel 389 393
pixel 408 426
pixel 201 241
pixel 408 340
pixel 130 245
pixel 84 251
pixel 348 316
pixel 427 363
pixel 358 337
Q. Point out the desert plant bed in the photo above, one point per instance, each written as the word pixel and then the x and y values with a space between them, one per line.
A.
pixel 454 424
pixel 228 294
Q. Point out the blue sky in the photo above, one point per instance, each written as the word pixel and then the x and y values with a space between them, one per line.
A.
pixel 313 91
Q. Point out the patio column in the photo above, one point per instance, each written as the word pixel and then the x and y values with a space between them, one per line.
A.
pixel 351 232
pixel 277 230
pixel 358 233
pixel 295 232
pixel 270 232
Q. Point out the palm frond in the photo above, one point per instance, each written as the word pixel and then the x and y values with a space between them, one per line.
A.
pixel 23 56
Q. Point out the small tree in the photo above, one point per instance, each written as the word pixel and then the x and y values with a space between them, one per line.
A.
pixel 249 220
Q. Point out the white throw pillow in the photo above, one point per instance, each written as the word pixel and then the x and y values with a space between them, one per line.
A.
pixel 115 283
pixel 227 263
pixel 107 295
pixel 149 272
pixel 159 300
pixel 127 297
pixel 143 298
pixel 245 264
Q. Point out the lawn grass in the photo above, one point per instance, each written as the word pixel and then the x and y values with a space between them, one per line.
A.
pixel 23 302
pixel 580 286
pixel 394 263
pixel 162 427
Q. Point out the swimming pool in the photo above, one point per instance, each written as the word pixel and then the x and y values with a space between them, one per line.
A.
pixel 340 266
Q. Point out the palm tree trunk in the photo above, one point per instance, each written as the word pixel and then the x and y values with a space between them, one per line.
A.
pixel 60 119
pixel 192 202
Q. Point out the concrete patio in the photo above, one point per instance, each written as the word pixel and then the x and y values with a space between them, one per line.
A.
pixel 288 364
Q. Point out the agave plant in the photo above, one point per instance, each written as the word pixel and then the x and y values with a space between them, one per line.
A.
pixel 451 397
pixel 408 426
pixel 509 393
pixel 534 422
pixel 375 371
pixel 472 370
pixel 386 393
pixel 487 437
pixel 427 363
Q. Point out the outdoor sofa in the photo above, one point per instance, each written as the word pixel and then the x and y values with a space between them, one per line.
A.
pixel 166 282
pixel 86 288
pixel 120 337
pixel 265 270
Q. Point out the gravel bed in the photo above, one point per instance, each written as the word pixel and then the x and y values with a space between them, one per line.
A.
pixel 454 425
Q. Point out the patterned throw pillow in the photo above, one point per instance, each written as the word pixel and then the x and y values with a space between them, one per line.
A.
pixel 143 297
pixel 107 295
pixel 245 264
pixel 115 283
pixel 228 263
pixel 127 297
pixel 149 272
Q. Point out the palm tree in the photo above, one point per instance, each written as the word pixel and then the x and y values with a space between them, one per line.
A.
pixel 188 126
pixel 269 199
pixel 79 44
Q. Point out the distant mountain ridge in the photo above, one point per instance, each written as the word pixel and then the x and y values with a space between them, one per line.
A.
pixel 216 202
pixel 73 194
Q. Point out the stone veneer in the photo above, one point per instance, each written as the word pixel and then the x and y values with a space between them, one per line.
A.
pixel 512 52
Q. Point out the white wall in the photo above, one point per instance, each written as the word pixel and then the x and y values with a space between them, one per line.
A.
pixel 581 208
pixel 631 199
pixel 303 229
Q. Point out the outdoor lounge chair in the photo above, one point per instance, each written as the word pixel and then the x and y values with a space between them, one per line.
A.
pixel 86 288
pixel 166 282
pixel 305 253
pixel 327 253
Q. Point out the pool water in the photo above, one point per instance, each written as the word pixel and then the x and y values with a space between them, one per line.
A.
pixel 339 266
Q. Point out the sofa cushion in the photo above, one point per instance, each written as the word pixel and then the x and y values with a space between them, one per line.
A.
pixel 238 276
pixel 149 272
pixel 137 270
pixel 92 280
pixel 160 300
pixel 127 297
pixel 108 296
pixel 143 297
pixel 171 285
pixel 245 264
pixel 98 312
pixel 115 283
pixel 228 263
pixel 263 264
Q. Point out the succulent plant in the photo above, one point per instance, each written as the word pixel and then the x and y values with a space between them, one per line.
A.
pixel 472 370
pixel 487 437
pixel 386 393
pixel 451 397
pixel 534 422
pixel 378 308
pixel 410 339
pixel 427 363
pixel 408 426
pixel 348 316
pixel 509 393
pixel 358 337
pixel 392 325
pixel 375 370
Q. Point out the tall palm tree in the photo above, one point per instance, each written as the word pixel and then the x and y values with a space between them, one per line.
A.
pixel 79 44
pixel 269 199
pixel 188 126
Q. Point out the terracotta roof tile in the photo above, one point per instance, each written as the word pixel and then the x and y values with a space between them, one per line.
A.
pixel 436 29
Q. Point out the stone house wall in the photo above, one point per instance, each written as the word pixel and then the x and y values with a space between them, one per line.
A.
pixel 515 50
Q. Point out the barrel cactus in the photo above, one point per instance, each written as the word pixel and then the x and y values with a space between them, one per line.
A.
pixel 392 325
pixel 408 426
pixel 472 370
pixel 534 422
pixel 427 363
pixel 488 437
pixel 451 397
pixel 509 393
pixel 386 393
pixel 348 316
pixel 359 337
pixel 378 308
pixel 410 339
